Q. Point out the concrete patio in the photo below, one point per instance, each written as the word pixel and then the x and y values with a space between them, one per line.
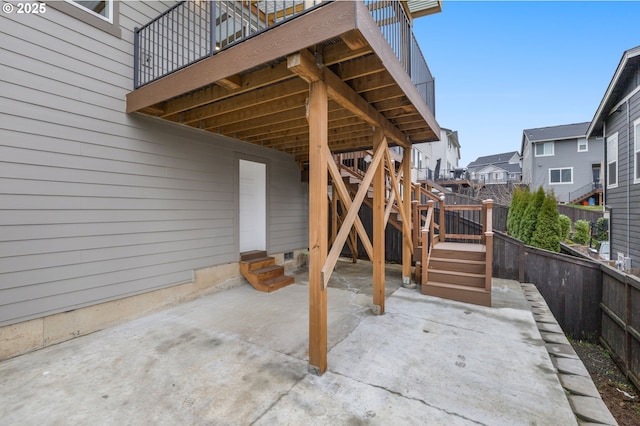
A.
pixel 239 356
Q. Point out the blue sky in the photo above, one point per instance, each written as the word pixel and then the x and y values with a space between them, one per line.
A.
pixel 505 66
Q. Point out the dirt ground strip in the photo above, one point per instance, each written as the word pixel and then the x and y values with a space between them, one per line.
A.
pixel 620 396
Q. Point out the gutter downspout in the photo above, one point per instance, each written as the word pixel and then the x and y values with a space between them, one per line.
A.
pixel 630 153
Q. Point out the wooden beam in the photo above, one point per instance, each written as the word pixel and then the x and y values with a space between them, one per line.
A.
pixel 407 249
pixel 340 92
pixel 304 64
pixel 349 220
pixel 265 95
pixel 233 82
pixel 354 40
pixel 318 223
pixel 251 81
pixel 340 52
pixel 253 112
pixel 379 144
pixel 360 67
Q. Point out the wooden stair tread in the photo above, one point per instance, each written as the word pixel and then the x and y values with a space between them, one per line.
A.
pixel 267 269
pixel 448 259
pixel 258 259
pixel 456 273
pixel 253 254
pixel 460 247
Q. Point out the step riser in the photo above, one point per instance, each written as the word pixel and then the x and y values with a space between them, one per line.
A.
pixel 460 295
pixel 443 265
pixel 459 255
pixel 261 264
pixel 281 283
pixel 462 280
pixel 265 276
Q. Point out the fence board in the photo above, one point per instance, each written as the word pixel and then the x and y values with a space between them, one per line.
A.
pixel 621 320
pixel 579 214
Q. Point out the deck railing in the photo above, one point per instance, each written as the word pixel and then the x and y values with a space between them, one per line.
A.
pixel 193 30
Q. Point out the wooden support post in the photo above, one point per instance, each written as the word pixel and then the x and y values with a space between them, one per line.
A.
pixel 378 226
pixel 318 223
pixel 488 241
pixel 407 246
pixel 417 191
pixel 334 212
pixel 353 237
pixel 442 227
pixel 415 229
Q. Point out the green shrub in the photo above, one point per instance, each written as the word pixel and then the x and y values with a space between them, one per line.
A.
pixel 565 226
pixel 530 216
pixel 582 231
pixel 602 229
pixel 516 211
pixel 547 231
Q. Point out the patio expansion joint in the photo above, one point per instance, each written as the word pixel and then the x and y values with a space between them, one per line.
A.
pixel 399 394
pixel 282 395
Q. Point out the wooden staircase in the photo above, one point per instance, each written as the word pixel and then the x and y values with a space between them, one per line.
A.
pixel 457 271
pixel 262 272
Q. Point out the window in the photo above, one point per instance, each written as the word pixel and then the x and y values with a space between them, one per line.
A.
pixel 544 149
pixel 636 150
pixel 583 145
pixel 612 161
pixel 561 176
pixel 100 14
pixel 101 9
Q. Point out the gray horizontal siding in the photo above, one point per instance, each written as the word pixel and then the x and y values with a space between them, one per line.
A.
pixel 624 200
pixel 96 204
pixel 566 155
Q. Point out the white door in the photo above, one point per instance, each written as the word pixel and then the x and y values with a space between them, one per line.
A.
pixel 253 206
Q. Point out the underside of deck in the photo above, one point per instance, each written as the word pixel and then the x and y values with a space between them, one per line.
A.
pixel 258 90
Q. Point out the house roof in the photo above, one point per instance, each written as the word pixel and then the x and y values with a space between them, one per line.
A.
pixel 493 159
pixel 507 167
pixel 555 133
pixel 614 94
pixel 419 8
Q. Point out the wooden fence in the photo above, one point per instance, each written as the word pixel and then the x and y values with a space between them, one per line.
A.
pixel 590 300
pixel 621 320
pixel 579 214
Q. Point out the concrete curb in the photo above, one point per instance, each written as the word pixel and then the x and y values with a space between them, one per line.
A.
pixel 584 398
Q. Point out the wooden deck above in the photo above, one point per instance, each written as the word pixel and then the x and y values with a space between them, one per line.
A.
pixel 257 90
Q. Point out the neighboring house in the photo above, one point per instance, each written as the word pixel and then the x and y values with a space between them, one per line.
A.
pixel 144 145
pixel 496 169
pixel 563 160
pixel 425 157
pixel 617 120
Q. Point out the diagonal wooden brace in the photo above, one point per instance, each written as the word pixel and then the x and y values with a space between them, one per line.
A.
pixel 394 182
pixel 349 220
pixel 343 194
